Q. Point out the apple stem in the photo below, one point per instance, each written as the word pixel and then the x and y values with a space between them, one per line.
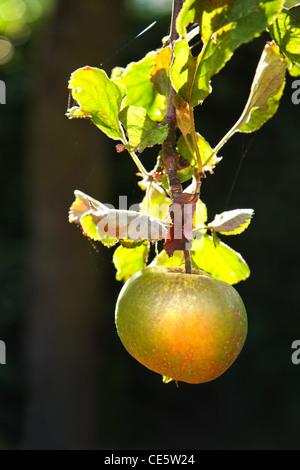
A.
pixel 188 262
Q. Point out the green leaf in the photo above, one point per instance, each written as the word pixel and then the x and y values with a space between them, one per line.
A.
pixel 286 32
pixel 162 259
pixel 141 131
pixel 200 214
pixel 231 222
pixel 187 151
pixel 266 90
pixel 89 227
pixel 98 97
pixel 290 3
pixel 223 31
pixel 156 202
pixel 141 92
pixel 212 16
pixel 129 261
pixel 206 14
pixel 221 261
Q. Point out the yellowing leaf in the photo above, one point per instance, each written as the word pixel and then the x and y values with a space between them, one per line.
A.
pixel 266 90
pixel 221 261
pixel 160 73
pixel 285 30
pixel 231 222
pixel 162 259
pixel 98 96
pixel 90 230
pixel 82 205
pixel 200 215
pixel 108 226
pixel 224 26
pixel 129 261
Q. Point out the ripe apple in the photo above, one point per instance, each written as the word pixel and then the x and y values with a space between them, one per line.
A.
pixel 187 327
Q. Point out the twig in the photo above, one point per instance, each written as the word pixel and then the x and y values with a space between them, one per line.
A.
pixel 169 145
pixel 169 154
pixel 138 163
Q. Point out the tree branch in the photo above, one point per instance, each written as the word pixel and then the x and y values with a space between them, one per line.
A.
pixel 169 153
pixel 177 5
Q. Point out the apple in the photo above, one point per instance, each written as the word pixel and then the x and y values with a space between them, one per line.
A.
pixel 186 327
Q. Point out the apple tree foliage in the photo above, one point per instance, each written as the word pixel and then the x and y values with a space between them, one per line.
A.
pixel 151 102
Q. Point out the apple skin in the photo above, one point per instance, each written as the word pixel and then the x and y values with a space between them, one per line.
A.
pixel 187 327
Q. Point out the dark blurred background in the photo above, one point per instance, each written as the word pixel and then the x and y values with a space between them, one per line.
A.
pixel 68 382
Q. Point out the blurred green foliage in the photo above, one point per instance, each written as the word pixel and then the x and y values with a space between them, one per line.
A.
pixel 18 21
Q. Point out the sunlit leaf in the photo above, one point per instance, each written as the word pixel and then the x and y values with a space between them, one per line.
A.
pixel 141 131
pixel 129 261
pixel 266 90
pixel 221 261
pixel 286 32
pixel 223 31
pixel 162 259
pixel 211 16
pixel 108 226
pixel 90 229
pixel 83 204
pixel 209 160
pixel 160 73
pixel 76 112
pixel 183 116
pixel 156 202
pixel 200 215
pixel 141 92
pixel 98 96
pixel 206 14
pixel 231 222
pixel 128 225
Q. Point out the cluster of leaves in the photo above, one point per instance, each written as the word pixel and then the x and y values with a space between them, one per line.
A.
pixel 130 106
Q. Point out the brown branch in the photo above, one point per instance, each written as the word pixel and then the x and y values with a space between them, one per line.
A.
pixel 169 153
pixel 177 5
